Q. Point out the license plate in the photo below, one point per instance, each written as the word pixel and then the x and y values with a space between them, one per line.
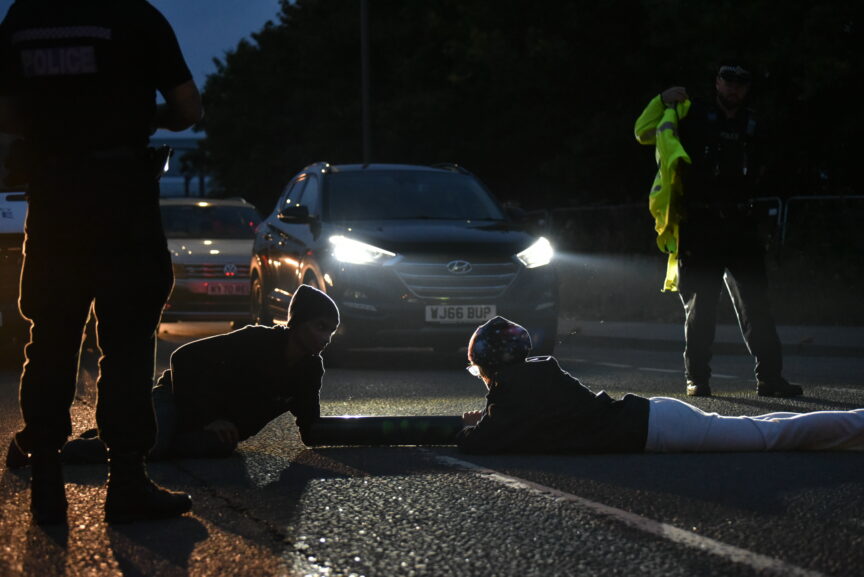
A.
pixel 455 314
pixel 228 289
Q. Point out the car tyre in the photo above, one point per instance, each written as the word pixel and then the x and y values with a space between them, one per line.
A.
pixel 260 314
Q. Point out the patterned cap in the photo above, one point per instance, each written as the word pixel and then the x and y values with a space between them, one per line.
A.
pixel 497 343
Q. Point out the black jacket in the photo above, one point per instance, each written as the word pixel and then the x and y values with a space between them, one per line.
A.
pixel 536 407
pixel 242 377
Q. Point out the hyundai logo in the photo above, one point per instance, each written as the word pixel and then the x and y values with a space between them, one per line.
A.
pixel 230 270
pixel 459 266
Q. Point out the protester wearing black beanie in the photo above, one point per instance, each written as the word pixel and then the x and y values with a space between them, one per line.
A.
pixel 310 303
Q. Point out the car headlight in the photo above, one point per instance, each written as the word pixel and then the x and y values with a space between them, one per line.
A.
pixel 538 254
pixel 355 252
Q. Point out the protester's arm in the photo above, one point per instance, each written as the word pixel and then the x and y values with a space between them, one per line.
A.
pixel 306 405
pixel 493 432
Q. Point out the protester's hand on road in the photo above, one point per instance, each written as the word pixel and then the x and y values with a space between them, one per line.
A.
pixel 225 430
pixel 471 418
pixel 674 95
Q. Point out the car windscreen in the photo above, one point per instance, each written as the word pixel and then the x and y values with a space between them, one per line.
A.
pixel 408 194
pixel 206 220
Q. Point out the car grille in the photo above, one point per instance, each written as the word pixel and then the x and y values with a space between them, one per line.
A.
pixel 210 271
pixel 433 279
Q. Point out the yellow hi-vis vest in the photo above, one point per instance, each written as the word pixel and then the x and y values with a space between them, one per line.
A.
pixel 658 125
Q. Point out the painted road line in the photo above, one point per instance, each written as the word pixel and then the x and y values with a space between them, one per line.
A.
pixel 650 370
pixel 761 563
pixel 646 369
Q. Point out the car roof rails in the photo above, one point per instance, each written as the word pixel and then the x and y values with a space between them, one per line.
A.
pixel 323 166
pixel 452 166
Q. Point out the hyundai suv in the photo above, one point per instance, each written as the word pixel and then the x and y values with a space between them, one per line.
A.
pixel 412 255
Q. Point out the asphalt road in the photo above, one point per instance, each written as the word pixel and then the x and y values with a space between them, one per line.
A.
pixel 278 508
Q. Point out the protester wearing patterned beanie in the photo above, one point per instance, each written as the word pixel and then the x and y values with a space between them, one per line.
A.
pixel 497 343
pixel 533 406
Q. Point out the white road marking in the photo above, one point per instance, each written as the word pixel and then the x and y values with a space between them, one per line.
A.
pixel 840 389
pixel 731 553
pixel 650 370
pixel 646 369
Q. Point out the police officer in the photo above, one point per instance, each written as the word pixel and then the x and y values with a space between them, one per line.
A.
pixel 79 88
pixel 718 234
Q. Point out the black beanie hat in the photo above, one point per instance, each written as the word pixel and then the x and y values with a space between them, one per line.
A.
pixel 310 303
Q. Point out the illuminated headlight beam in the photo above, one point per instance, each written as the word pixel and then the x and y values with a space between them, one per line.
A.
pixel 352 251
pixel 538 254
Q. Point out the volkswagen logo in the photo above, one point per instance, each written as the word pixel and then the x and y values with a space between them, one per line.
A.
pixel 459 266
pixel 230 270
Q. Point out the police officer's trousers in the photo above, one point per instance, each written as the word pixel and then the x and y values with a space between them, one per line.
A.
pixel 731 254
pixel 106 250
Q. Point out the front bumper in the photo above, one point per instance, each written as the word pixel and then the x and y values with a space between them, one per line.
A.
pixel 208 300
pixel 379 309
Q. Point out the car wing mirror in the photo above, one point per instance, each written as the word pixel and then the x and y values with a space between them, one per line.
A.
pixel 515 213
pixel 295 215
pixel 535 221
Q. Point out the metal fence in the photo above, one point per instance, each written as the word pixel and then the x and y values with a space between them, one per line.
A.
pixel 818 224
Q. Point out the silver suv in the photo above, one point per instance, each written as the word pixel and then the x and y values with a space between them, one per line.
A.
pixel 210 242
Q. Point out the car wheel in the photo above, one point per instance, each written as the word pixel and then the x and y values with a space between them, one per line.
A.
pixel 260 314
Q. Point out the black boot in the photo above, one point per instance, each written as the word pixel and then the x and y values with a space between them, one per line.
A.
pixel 132 496
pixel 47 491
pixel 15 457
pixel 777 387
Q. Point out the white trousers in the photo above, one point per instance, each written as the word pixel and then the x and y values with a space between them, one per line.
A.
pixel 676 426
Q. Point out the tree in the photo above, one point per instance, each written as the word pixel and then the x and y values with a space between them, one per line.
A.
pixel 538 100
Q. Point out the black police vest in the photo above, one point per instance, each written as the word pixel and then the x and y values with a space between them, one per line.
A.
pixel 79 75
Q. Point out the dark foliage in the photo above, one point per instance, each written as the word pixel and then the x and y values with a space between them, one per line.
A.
pixel 538 99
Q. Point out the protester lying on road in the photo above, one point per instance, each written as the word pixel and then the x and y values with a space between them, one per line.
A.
pixel 223 389
pixel 533 406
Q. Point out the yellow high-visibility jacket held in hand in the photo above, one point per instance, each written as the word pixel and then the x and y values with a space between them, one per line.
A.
pixel 658 125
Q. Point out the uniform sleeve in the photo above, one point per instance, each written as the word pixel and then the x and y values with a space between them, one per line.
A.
pixel 171 68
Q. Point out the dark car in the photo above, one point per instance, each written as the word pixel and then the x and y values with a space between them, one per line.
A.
pixel 412 255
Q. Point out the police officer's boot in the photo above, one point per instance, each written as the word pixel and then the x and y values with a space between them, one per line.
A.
pixel 132 496
pixel 47 491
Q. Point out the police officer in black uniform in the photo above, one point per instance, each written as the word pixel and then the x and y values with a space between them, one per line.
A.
pixel 718 233
pixel 79 82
